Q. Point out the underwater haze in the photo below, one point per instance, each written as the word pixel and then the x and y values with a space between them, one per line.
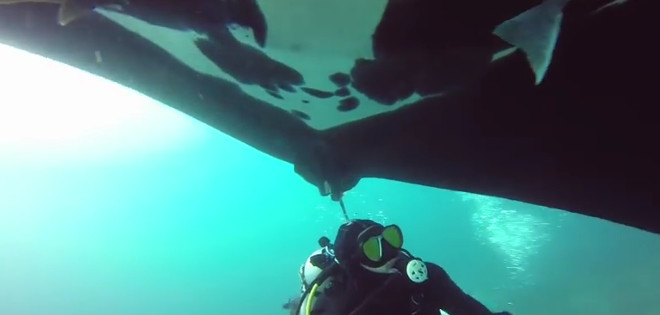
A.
pixel 113 203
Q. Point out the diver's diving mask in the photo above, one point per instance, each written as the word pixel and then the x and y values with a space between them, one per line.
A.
pixel 372 239
pixel 382 251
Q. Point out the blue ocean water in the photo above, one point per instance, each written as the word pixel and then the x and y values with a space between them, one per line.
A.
pixel 204 224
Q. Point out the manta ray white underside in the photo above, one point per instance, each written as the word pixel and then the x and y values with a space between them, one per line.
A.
pixel 319 39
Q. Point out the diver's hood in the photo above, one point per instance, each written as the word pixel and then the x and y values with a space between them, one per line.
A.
pixel 346 248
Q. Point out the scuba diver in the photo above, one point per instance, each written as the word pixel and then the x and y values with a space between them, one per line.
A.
pixel 367 272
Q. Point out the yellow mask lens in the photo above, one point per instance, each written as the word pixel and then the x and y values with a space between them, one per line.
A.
pixel 392 234
pixel 371 248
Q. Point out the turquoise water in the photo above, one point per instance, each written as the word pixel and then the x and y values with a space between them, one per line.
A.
pixel 216 227
pixel 203 224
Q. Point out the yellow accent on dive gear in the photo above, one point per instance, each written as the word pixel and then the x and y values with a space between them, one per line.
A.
pixel 310 297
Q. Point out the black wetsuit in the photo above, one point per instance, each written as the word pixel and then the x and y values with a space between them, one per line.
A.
pixel 378 294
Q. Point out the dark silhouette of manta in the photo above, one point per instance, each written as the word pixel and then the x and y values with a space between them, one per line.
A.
pixel 582 137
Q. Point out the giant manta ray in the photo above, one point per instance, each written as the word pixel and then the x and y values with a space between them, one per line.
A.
pixel 547 102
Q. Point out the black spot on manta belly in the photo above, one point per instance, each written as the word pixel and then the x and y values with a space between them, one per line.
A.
pixel 340 79
pixel 317 93
pixel 343 92
pixel 305 101
pixel 300 114
pixel 247 64
pixel 269 87
pixel 287 87
pixel 274 94
pixel 348 104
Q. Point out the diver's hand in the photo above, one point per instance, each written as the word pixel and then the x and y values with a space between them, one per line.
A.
pixel 292 305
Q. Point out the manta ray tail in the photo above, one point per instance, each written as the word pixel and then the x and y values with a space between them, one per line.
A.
pixel 535 32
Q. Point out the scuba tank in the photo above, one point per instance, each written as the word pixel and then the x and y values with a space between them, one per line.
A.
pixel 316 275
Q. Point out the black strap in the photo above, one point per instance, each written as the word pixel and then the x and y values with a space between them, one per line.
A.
pixel 372 295
pixel 416 300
